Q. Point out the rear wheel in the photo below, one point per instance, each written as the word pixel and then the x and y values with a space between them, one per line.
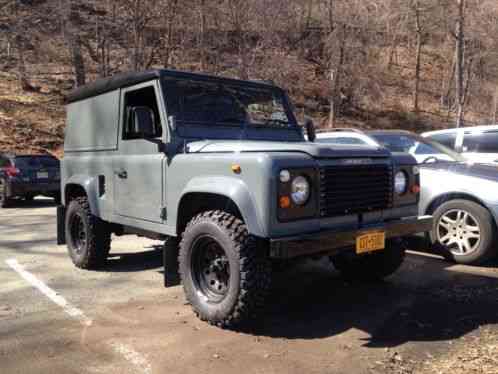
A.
pixel 464 231
pixel 224 275
pixel 373 266
pixel 4 200
pixel 88 237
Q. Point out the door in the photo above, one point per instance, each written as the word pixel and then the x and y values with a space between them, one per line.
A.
pixel 139 175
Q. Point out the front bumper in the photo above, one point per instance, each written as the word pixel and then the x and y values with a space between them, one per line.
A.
pixel 330 241
pixel 20 188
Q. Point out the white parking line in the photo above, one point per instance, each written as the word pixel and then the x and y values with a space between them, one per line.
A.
pixel 129 354
pixel 50 293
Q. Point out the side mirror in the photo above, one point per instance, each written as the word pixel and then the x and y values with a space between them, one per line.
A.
pixel 310 129
pixel 143 122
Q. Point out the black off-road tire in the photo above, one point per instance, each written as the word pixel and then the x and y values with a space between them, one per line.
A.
pixel 249 269
pixel 57 198
pixel 373 266
pixel 487 247
pixel 93 254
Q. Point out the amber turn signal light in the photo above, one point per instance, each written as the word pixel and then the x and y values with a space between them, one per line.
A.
pixel 415 189
pixel 284 202
pixel 236 168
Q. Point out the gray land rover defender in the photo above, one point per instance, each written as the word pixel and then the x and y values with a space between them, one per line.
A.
pixel 220 170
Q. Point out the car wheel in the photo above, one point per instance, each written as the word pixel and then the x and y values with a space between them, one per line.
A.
pixel 372 266
pixel 464 231
pixel 4 200
pixel 88 237
pixel 224 276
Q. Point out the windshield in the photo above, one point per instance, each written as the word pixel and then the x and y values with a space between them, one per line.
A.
pixel 424 150
pixel 205 102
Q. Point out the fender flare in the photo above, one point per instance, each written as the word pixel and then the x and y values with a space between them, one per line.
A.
pixel 232 188
pixel 90 185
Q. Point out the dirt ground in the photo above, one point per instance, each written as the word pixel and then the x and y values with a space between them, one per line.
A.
pixel 430 317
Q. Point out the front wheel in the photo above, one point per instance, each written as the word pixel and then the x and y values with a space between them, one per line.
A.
pixel 373 266
pixel 464 232
pixel 224 275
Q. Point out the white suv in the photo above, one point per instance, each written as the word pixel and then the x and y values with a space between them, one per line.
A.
pixel 479 144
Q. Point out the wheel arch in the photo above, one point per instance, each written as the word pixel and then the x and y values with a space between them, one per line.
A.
pixel 78 186
pixel 227 194
pixel 441 199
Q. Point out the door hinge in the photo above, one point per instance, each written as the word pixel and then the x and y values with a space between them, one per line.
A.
pixel 164 213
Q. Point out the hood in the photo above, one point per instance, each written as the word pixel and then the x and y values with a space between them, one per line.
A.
pixel 485 171
pixel 315 150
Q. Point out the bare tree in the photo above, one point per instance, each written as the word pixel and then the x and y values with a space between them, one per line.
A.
pixel 460 64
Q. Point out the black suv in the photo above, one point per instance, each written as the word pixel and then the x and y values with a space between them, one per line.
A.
pixel 25 176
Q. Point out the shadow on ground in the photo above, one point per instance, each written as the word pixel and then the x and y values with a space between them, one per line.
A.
pixel 150 259
pixel 427 300
pixel 37 203
pixel 410 306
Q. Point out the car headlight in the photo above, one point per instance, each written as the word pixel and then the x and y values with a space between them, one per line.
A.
pixel 400 182
pixel 300 190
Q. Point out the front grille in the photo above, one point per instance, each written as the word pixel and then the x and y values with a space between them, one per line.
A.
pixel 353 189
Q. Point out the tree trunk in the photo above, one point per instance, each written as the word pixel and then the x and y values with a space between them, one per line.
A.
pixel 417 58
pixel 78 61
pixel 459 71
pixel 202 34
pixel 335 80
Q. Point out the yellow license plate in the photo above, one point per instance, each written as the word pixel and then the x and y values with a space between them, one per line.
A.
pixel 369 242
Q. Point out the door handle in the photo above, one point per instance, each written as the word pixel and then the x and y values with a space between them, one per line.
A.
pixel 122 174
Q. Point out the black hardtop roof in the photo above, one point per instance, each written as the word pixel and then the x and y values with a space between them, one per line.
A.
pixel 123 80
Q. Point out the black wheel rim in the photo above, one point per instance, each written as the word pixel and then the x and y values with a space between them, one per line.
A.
pixel 210 269
pixel 78 233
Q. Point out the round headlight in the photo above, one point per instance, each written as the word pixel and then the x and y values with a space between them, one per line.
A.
pixel 400 182
pixel 300 190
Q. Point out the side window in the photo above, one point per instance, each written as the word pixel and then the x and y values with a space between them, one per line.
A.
pixel 143 97
pixel 486 142
pixel 446 139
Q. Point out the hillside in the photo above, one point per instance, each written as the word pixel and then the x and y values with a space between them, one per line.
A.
pixel 362 64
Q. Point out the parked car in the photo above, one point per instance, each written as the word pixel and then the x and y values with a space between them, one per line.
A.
pixel 460 195
pixel 26 176
pixel 479 143
pixel 219 169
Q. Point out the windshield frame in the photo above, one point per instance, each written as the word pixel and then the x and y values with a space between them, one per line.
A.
pixel 233 84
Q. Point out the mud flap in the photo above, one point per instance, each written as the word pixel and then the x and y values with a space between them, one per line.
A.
pixel 170 262
pixel 61 230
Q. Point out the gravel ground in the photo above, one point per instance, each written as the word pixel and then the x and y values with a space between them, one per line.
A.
pixel 430 317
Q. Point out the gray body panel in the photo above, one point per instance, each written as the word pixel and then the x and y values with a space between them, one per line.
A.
pixel 161 173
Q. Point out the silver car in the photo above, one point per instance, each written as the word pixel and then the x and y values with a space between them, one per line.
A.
pixel 461 195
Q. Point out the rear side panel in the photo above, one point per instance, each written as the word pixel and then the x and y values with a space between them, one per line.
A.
pixel 92 123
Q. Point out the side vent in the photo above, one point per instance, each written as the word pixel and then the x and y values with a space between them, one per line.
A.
pixel 101 185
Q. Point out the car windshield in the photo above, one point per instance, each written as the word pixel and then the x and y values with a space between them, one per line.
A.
pixel 206 102
pixel 36 162
pixel 424 150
